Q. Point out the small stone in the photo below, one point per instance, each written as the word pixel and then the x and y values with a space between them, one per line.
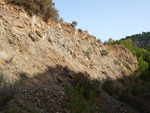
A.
pixel 59 79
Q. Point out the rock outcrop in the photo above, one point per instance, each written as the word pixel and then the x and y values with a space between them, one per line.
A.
pixel 30 45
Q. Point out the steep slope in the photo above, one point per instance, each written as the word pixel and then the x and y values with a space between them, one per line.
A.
pixel 29 46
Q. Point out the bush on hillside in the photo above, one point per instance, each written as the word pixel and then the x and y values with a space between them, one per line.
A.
pixel 82 97
pixel 135 102
pixel 135 90
pixel 87 52
pixel 145 76
pixel 123 80
pixel 85 83
pixel 43 8
pixel 7 93
pixel 99 40
pixel 110 87
pixel 80 30
pixel 143 65
pixel 74 23
pixel 105 52
pixel 78 103
pixel 116 62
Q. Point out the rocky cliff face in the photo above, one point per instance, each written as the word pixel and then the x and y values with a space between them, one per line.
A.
pixel 28 44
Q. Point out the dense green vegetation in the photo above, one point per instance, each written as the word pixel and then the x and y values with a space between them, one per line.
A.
pixel 82 97
pixel 77 102
pixel 135 89
pixel 141 40
pixel 142 54
pixel 129 90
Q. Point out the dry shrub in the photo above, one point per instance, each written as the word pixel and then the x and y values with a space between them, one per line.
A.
pixel 43 8
pixel 7 93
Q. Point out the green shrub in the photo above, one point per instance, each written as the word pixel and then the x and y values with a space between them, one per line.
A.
pixel 145 76
pixel 87 52
pixel 135 90
pixel 143 65
pixel 77 102
pixel 19 82
pixel 123 80
pixel 110 87
pixel 99 40
pixel 105 52
pixel 74 23
pixel 85 83
pixel 117 62
pixel 80 30
pixel 7 93
pixel 38 75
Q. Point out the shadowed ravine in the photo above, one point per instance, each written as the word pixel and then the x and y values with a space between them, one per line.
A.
pixel 46 93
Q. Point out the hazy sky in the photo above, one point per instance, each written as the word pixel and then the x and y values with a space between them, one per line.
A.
pixel 107 18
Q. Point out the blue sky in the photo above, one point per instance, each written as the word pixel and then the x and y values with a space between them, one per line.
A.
pixel 107 18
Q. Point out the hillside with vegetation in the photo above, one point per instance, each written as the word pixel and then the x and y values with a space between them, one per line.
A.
pixel 143 55
pixel 141 40
pixel 49 66
pixel 140 83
